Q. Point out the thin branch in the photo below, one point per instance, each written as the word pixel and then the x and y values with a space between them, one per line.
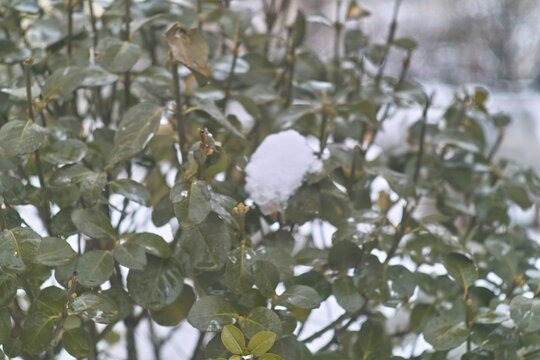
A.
pixel 180 121
pixel 228 87
pixel 197 352
pixel 389 41
pixel 70 27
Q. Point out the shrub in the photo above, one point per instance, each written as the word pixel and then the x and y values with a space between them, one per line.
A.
pixel 157 167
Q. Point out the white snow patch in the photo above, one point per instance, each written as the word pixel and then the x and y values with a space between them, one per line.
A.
pixel 277 168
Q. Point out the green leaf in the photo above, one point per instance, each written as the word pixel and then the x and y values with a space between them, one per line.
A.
pixel 62 82
pixel 135 129
pixel 91 185
pixel 157 285
pixel 93 223
pixel 5 325
pixel 172 314
pixel 13 347
pixel 280 258
pixel 95 267
pixel 354 41
pixel 18 248
pixel 406 43
pixel 347 295
pixel 261 342
pixel 37 333
pixel 525 313
pixel 207 243
pixel 213 111
pixel 344 255
pixel 233 339
pixel 211 313
pixel 300 296
pixel 22 137
pixel 99 307
pixel 265 277
pixel 131 190
pixel 130 255
pixel 261 319
pixel 270 356
pixel 121 299
pixel 117 56
pixel 66 151
pixel 77 342
pixel 54 252
pixel 71 322
pixel 461 268
pixel 51 302
pixel 238 270
pixel 97 76
pixel 8 289
pixel 153 244
pixel 445 333
pixel 191 202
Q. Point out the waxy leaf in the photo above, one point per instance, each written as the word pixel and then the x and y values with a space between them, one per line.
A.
pixel 347 295
pixel 130 255
pixel 265 277
pixel 8 289
pixel 153 244
pixel 99 307
pixel 261 342
pixel 211 313
pixel 525 313
pixel 18 248
pixel 22 137
pixel 117 56
pixel 131 190
pixel 157 285
pixel 172 314
pixel 62 82
pixel 191 202
pixel 37 333
pixel 233 339
pixel 260 319
pixel 135 129
pixel 54 252
pixel 300 296
pixel 239 269
pixel 461 268
pixel 445 333
pixel 77 342
pixel 51 302
pixel 66 151
pixel 207 243
pixel 93 223
pixel 95 267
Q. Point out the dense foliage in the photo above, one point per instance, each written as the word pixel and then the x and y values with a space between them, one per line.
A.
pixel 120 118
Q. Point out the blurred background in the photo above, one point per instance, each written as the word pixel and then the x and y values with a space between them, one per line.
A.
pixel 462 44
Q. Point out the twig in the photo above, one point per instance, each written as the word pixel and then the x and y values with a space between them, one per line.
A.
pixel 228 87
pixel 389 41
pixel 127 75
pixel 408 208
pixel 70 27
pixel 180 121
pixel 197 352
pixel 327 328
pixel 45 209
pixel 93 23
pixel 156 342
